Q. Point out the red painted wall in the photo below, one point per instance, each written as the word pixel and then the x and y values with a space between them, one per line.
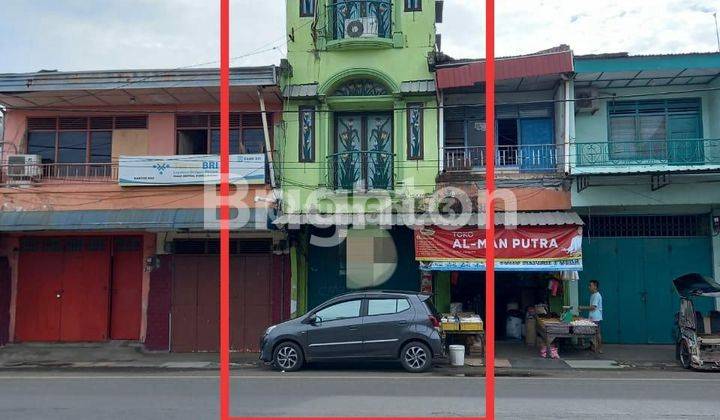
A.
pixel 5 290
pixel 157 336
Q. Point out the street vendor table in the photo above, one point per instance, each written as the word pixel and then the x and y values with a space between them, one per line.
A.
pixel 548 336
pixel 480 334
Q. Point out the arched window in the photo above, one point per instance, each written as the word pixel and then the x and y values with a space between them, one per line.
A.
pixel 361 87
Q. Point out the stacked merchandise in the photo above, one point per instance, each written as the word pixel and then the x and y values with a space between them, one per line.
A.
pixel 583 326
pixel 470 321
pixel 554 326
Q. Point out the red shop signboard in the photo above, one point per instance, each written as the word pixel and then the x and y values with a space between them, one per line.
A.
pixel 523 248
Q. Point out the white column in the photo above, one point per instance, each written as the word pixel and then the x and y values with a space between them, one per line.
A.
pixel 715 252
pixel 441 131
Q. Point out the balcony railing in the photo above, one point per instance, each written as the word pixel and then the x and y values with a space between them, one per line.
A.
pixel 361 170
pixel 542 157
pixel 361 19
pixel 648 153
pixel 59 173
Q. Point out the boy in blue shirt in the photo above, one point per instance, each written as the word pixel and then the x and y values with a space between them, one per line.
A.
pixel 595 309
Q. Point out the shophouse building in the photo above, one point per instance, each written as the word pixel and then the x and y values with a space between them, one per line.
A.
pixel 359 140
pixel 106 191
pixel 645 161
pixel 536 227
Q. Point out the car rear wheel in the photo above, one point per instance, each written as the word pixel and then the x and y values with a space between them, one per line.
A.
pixel 685 354
pixel 288 357
pixel 415 357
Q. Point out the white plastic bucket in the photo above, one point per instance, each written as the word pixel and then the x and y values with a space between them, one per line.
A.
pixel 457 355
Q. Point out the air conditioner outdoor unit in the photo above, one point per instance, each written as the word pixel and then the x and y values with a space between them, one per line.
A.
pixel 361 27
pixel 23 166
pixel 586 101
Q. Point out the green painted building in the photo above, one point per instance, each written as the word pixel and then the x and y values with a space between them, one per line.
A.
pixel 645 161
pixel 358 137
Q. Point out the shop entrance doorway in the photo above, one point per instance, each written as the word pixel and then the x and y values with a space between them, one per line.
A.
pixel 515 292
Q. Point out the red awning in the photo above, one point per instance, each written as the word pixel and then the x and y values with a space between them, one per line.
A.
pixel 540 64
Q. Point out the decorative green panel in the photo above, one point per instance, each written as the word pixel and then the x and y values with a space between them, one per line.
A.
pixel 348 164
pixel 307 134
pixel 415 132
pixel 379 145
pixel 361 87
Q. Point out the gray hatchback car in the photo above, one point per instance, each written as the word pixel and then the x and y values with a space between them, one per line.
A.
pixel 383 325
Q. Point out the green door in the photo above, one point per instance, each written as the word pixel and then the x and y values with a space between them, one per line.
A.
pixel 347 162
pixel 379 146
pixel 364 145
pixel 635 274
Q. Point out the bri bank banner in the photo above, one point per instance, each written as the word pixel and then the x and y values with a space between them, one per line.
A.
pixel 524 248
pixel 189 170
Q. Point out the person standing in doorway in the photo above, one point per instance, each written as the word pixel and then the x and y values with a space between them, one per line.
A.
pixel 595 311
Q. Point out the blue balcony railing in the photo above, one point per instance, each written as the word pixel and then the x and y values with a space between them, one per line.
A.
pixel 617 154
pixel 361 170
pixel 361 19
pixel 530 158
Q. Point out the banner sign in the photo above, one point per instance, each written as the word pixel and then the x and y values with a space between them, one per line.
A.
pixel 525 248
pixel 189 170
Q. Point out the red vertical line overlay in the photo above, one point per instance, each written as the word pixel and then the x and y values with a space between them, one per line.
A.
pixel 224 209
pixel 490 209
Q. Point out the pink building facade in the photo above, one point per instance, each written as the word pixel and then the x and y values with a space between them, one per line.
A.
pixel 107 200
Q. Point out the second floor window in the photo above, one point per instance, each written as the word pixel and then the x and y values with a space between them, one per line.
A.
pixel 77 140
pixel 199 134
pixel 413 5
pixel 655 129
pixel 307 8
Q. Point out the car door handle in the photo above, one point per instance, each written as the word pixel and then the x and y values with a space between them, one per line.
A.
pixel 353 328
pixel 402 323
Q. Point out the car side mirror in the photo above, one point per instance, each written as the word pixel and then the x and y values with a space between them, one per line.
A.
pixel 313 320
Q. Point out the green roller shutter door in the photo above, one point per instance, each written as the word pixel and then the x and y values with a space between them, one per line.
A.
pixel 635 274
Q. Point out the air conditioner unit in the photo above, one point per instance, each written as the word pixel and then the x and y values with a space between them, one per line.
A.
pixel 24 166
pixel 361 27
pixel 586 101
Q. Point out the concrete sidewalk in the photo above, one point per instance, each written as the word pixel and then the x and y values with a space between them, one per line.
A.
pixel 113 354
pixel 511 358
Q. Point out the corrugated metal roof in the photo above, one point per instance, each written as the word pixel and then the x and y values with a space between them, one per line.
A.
pixel 133 79
pixel 552 218
pixel 418 86
pixel 301 91
pixel 540 64
pixel 548 218
pixel 155 219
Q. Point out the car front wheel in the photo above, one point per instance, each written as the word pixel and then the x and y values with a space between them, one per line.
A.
pixel 416 357
pixel 288 357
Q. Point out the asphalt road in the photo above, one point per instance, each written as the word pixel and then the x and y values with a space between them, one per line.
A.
pixel 151 395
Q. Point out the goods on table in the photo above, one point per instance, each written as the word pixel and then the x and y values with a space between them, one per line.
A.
pixel 553 326
pixel 464 321
pixel 583 326
pixel 470 322
pixel 455 307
